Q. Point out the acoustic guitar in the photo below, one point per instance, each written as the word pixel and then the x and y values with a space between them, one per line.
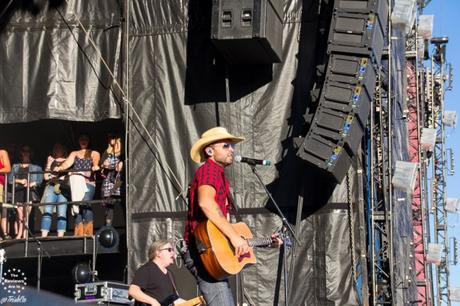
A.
pixel 199 300
pixel 217 253
pixel 169 301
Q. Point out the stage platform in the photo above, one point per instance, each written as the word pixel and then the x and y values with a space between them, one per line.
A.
pixel 54 246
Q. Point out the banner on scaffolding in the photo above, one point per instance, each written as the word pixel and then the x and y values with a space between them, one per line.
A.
pixel 450 118
pixel 434 253
pixel 428 139
pixel 454 294
pixel 403 14
pixel 425 26
pixel 404 176
pixel 452 205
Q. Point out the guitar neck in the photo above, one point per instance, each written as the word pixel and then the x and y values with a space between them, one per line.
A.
pixel 260 242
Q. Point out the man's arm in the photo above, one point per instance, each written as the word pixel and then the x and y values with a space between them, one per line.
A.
pixel 210 208
pixel 136 292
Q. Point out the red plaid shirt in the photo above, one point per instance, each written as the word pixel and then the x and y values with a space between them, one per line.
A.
pixel 213 175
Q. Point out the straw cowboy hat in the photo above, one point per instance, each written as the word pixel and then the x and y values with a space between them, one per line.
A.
pixel 209 137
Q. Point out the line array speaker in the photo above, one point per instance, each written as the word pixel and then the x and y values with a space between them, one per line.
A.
pixel 378 7
pixel 340 119
pixel 355 47
pixel 248 31
pixel 356 34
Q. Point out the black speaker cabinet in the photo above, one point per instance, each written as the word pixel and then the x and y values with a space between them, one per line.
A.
pixel 356 34
pixel 326 155
pixel 248 31
pixel 379 7
pixel 338 125
pixel 352 70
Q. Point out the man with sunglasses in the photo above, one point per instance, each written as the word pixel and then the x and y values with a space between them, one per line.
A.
pixel 209 199
pixel 153 283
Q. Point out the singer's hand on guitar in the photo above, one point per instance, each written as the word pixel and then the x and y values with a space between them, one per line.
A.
pixel 241 246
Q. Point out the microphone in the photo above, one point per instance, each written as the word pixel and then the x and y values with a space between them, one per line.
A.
pixel 252 161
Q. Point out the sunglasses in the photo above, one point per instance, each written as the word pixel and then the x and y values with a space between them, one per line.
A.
pixel 170 250
pixel 228 145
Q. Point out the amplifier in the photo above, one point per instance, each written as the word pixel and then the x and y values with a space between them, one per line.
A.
pixel 105 292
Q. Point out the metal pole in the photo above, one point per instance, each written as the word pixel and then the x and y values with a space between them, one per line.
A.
pixel 389 153
pixel 285 270
pixel 372 191
pixel 93 271
pixel 39 267
pixel 127 109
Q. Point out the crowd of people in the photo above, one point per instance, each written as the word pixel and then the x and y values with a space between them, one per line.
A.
pixel 67 177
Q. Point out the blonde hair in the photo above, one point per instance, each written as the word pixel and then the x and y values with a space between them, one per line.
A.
pixel 155 247
pixel 116 150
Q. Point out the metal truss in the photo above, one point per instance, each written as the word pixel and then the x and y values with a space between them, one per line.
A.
pixel 435 90
pixel 380 221
pixel 419 204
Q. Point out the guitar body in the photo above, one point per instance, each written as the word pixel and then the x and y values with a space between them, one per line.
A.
pixel 217 253
pixel 199 300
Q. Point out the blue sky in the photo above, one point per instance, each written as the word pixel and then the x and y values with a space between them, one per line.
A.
pixel 446 23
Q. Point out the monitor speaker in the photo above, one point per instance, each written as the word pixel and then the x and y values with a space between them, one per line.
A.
pixel 248 31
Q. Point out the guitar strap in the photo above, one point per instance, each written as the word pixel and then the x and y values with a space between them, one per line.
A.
pixel 172 282
pixel 234 207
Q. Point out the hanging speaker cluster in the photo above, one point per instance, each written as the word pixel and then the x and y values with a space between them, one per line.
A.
pixel 355 47
pixel 248 31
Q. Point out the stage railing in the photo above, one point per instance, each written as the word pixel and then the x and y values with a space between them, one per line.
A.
pixel 13 204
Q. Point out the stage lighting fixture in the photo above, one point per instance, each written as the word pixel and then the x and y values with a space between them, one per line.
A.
pixel 82 273
pixel 107 238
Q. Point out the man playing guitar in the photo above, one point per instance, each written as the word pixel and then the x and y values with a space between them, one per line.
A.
pixel 209 200
pixel 153 284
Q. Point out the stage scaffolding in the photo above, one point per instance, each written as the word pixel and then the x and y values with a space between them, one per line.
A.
pixel 436 83
pixel 426 86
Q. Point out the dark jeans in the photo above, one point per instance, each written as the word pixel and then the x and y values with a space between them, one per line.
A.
pixel 216 293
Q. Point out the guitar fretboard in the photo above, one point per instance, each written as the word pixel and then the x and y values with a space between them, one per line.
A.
pixel 260 242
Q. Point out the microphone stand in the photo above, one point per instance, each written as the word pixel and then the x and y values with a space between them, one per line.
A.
pixel 286 231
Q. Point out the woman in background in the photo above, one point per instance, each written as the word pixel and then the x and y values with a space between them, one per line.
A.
pixel 112 164
pixel 54 193
pixel 83 183
pixel 27 177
